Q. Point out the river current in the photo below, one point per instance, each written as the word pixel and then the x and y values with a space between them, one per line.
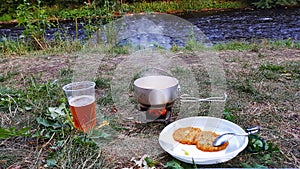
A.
pixel 217 26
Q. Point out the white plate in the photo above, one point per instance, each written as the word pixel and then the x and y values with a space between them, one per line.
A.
pixel 189 153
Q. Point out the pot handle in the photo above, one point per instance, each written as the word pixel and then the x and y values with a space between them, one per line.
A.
pixel 187 98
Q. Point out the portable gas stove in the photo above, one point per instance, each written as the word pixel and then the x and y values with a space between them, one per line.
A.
pixel 160 114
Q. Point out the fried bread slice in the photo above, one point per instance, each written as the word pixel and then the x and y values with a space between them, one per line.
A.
pixel 204 142
pixel 186 135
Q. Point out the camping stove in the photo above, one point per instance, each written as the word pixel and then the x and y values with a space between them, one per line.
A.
pixel 160 114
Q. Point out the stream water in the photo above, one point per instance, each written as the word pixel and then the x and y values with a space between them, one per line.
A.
pixel 217 26
pixel 274 24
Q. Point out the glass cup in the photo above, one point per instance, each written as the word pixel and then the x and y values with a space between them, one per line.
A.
pixel 81 99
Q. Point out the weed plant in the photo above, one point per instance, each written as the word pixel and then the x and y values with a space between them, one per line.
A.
pixel 35 22
pixel 180 6
pixel 46 107
pixel 13 47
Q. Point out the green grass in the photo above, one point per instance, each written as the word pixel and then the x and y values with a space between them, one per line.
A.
pixel 255 46
pixel 49 120
pixel 182 6
pixel 6 17
pixel 284 44
pixel 242 46
pixel 236 45
pixel 76 151
pixel 11 47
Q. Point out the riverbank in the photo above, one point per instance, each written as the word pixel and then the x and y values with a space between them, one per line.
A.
pixel 237 27
pixel 119 10
pixel 41 29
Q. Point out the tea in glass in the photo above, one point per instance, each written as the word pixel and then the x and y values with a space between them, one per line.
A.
pixel 81 98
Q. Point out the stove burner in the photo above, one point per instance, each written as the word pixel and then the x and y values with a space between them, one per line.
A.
pixel 144 107
pixel 157 114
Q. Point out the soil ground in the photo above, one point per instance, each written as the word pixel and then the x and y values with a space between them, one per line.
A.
pixel 259 94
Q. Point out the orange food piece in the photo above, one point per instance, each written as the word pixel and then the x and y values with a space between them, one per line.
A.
pixel 186 135
pixel 202 139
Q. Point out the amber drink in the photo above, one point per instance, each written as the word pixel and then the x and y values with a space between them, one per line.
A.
pixel 81 98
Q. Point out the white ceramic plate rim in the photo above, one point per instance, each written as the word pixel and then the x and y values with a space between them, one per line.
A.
pixel 167 142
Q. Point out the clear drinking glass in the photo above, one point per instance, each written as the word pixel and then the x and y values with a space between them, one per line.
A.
pixel 81 99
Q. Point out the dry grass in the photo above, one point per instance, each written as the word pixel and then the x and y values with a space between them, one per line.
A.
pixel 257 96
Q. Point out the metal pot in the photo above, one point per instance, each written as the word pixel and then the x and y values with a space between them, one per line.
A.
pixel 160 91
pixel 156 90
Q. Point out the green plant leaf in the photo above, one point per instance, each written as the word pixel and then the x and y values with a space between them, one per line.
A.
pixel 55 112
pixel 23 131
pixel 104 135
pixel 245 165
pixel 150 162
pixel 173 165
pixel 56 125
pixel 43 122
pixel 4 133
pixel 11 132
pixel 28 108
pixel 259 166
pixel 51 162
pixel 229 116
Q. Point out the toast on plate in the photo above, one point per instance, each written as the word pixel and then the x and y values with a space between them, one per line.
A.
pixel 195 136
pixel 204 141
pixel 186 135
